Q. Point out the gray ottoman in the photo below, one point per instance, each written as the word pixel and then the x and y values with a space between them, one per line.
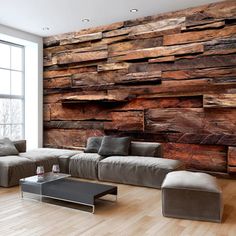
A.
pixel 85 165
pixel 194 196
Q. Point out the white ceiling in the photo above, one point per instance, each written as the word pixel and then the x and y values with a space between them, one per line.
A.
pixel 63 16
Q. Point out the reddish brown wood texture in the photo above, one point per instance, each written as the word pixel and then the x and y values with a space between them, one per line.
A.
pixel 209 158
pixel 68 138
pixel 232 160
pixel 168 78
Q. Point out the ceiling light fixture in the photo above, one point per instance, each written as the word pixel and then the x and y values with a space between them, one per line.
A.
pixel 133 10
pixel 45 28
pixel 85 20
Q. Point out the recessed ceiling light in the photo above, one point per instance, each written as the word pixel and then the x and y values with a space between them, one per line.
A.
pixel 85 20
pixel 133 10
pixel 45 28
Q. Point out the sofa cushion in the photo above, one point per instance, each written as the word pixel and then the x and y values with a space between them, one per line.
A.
pixel 7 147
pixel 47 157
pixel 13 168
pixel 137 170
pixel 114 146
pixel 93 144
pixel 146 149
pixel 85 165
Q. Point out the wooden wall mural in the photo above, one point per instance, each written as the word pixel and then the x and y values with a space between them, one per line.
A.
pixel 169 78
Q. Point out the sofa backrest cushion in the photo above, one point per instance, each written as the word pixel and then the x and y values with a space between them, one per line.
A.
pixel 115 146
pixel 20 145
pixel 7 147
pixel 146 149
pixel 93 144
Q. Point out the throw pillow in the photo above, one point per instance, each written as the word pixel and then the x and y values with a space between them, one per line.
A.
pixel 146 149
pixel 20 145
pixel 93 144
pixel 115 146
pixel 7 147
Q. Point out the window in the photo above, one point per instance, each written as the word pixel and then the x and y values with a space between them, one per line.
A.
pixel 11 90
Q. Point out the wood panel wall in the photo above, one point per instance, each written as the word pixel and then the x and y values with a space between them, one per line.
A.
pixel 169 78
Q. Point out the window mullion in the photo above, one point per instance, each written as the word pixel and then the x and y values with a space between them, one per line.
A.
pixel 10 94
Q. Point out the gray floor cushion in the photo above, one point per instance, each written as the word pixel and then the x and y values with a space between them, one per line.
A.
pixel 85 165
pixel 194 196
pixel 136 170
pixel 47 157
pixel 13 168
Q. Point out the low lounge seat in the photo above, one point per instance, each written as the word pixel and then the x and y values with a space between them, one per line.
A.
pixel 85 165
pixel 13 168
pixel 136 170
pixel 194 196
pixel 47 157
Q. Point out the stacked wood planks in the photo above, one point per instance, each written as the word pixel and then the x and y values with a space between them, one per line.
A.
pixel 169 78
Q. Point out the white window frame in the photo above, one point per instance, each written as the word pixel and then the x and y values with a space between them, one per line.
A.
pixel 20 97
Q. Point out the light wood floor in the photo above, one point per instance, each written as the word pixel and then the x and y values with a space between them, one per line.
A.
pixel 137 212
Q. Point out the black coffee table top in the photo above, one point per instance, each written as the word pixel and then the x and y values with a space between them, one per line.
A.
pixel 76 190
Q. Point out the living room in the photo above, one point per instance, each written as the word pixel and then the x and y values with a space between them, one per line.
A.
pixel 120 123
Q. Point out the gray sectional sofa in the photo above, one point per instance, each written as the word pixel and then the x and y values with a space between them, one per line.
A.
pixel 138 163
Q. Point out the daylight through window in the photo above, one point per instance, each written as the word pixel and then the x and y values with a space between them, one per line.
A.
pixel 11 90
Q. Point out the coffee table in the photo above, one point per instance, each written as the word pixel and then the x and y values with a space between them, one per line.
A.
pixel 59 186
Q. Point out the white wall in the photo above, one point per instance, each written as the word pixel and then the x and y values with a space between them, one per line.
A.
pixel 33 82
